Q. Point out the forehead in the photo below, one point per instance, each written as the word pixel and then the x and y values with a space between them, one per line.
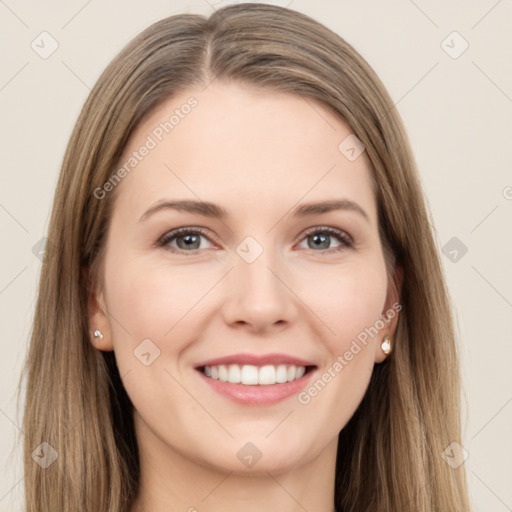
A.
pixel 245 147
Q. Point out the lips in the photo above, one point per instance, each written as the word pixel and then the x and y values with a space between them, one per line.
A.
pixel 256 379
pixel 256 360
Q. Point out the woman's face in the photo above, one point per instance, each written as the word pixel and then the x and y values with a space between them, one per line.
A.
pixel 263 289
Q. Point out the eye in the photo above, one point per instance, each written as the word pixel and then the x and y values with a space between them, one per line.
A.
pixel 321 237
pixel 187 239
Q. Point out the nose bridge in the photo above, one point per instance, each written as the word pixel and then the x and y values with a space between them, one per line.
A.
pixel 258 293
pixel 253 268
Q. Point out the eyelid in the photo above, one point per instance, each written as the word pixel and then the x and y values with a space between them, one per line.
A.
pixel 340 233
pixel 345 238
pixel 175 233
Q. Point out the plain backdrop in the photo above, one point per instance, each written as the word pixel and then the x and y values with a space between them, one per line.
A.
pixel 448 68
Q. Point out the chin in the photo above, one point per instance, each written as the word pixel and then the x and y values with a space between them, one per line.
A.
pixel 250 460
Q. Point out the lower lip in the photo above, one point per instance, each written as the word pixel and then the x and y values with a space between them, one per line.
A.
pixel 258 394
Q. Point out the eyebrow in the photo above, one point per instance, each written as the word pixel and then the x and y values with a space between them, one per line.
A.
pixel 213 210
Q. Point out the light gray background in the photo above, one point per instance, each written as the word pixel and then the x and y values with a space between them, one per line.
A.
pixel 458 114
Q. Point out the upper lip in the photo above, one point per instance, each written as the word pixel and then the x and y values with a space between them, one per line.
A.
pixel 256 360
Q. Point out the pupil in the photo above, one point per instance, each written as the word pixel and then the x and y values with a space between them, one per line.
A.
pixel 323 240
pixel 188 240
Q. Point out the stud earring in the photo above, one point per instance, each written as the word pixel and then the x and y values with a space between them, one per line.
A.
pixel 98 334
pixel 386 345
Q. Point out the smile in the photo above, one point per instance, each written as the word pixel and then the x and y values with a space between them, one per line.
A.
pixel 256 379
pixel 251 375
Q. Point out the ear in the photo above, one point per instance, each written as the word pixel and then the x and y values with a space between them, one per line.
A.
pixel 390 312
pixel 97 314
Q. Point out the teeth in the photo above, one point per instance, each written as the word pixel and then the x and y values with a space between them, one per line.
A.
pixel 251 375
pixel 267 375
pixel 281 373
pixel 223 373
pixel 234 374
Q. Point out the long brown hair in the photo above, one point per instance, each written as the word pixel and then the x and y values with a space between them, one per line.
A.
pixel 390 452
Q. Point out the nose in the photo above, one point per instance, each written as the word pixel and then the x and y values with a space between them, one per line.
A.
pixel 259 296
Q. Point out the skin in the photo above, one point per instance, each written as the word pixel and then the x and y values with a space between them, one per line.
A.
pixel 257 153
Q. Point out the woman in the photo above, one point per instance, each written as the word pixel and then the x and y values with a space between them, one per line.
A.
pixel 245 306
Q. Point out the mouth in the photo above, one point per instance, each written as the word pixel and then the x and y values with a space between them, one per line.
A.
pixel 253 375
pixel 254 380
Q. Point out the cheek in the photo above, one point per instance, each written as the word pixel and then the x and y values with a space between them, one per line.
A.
pixel 347 299
pixel 349 304
pixel 151 307
pixel 151 300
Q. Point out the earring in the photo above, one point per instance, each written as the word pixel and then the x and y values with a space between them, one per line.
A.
pixel 98 334
pixel 386 345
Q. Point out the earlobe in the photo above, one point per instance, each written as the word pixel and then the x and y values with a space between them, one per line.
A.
pixel 383 349
pixel 391 312
pixel 98 322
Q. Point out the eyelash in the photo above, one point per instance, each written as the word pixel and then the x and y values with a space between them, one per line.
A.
pixel 344 238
